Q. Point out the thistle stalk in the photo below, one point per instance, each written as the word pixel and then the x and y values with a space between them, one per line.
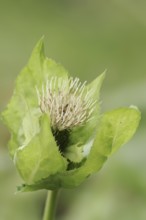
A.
pixel 50 205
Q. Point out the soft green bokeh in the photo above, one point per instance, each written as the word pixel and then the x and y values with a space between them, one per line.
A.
pixel 86 37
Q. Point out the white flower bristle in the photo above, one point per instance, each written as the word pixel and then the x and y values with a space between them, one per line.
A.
pixel 68 102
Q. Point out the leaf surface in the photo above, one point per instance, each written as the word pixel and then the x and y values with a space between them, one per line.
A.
pixel 40 158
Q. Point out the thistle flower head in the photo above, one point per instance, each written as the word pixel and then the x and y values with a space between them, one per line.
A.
pixel 69 103
pixel 50 136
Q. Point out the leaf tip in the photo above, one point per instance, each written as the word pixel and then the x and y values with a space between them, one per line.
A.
pixel 102 76
pixel 39 45
pixel 136 109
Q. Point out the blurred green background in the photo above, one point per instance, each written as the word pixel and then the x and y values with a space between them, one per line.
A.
pixel 87 37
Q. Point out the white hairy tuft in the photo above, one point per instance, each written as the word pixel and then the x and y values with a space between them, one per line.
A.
pixel 68 103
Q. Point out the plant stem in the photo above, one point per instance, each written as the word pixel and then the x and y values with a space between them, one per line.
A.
pixel 50 205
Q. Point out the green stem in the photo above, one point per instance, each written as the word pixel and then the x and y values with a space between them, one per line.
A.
pixel 50 206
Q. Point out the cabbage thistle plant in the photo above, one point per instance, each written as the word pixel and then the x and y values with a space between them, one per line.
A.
pixel 58 136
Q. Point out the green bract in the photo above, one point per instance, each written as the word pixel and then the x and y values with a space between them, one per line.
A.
pixel 58 137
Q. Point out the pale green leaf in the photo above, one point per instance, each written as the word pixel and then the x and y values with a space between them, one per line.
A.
pixel 24 99
pixel 40 158
pixel 74 153
pixel 116 128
